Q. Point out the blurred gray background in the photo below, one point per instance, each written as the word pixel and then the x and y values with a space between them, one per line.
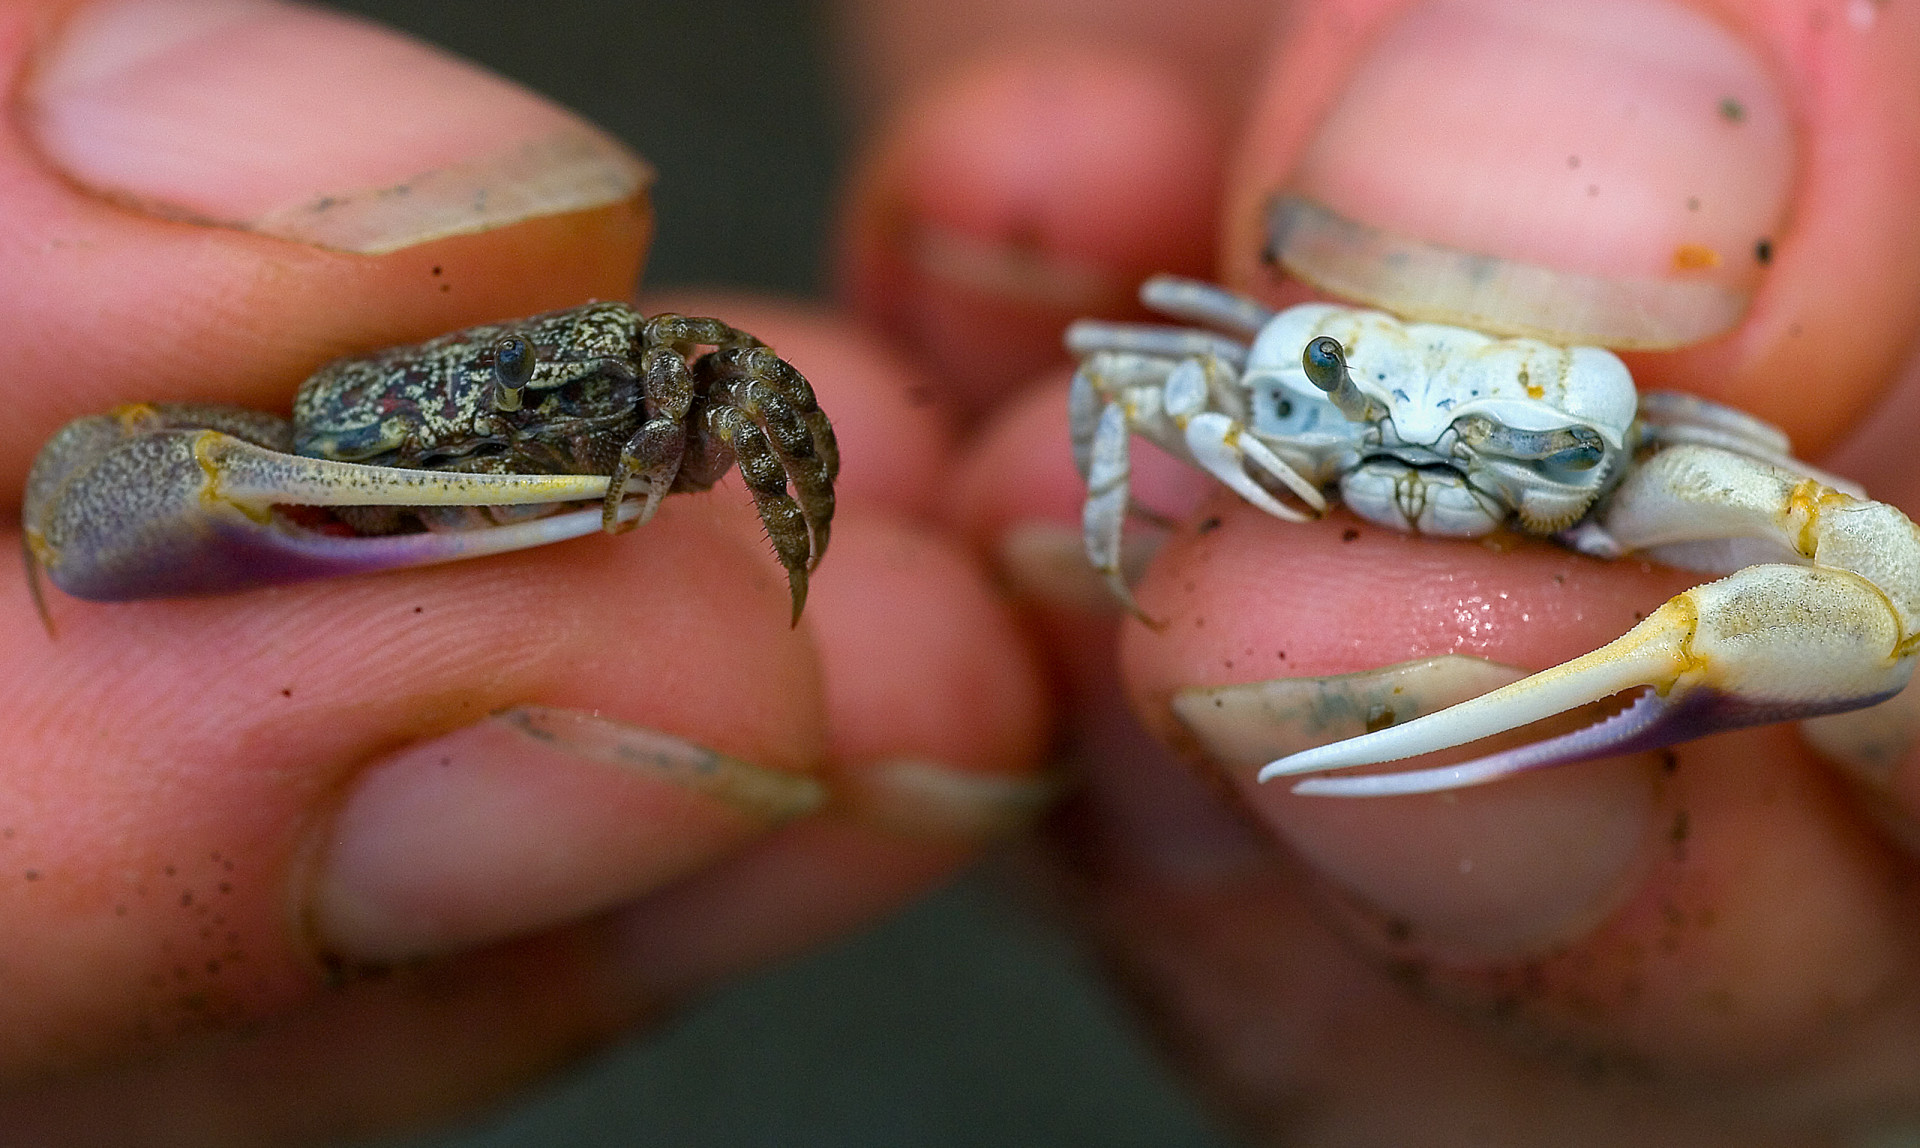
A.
pixel 967 1020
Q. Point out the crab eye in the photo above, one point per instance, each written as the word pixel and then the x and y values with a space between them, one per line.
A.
pixel 1325 363
pixel 513 360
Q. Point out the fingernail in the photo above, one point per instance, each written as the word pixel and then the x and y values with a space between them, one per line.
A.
pixel 1595 171
pixel 532 818
pixel 1015 272
pixel 1004 184
pixel 1260 721
pixel 928 801
pixel 306 125
pixel 991 216
pixel 1493 872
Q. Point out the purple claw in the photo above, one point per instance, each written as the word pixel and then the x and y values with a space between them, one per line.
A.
pixel 127 506
pixel 1652 721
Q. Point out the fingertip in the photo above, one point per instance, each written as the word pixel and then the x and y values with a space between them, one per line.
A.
pixel 1020 194
pixel 1685 200
pixel 305 125
pixel 175 805
pixel 211 200
pixel 937 717
pixel 1274 639
pixel 922 660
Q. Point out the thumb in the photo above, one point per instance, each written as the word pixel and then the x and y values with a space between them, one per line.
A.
pixel 212 198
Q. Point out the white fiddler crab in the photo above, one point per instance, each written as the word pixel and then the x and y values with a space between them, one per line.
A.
pixel 1446 431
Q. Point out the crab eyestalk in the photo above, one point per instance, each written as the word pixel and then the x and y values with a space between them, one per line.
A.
pixel 513 360
pixel 1573 447
pixel 1325 363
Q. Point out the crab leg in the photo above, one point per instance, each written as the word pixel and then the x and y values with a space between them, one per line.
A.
pixel 1091 336
pixel 1108 476
pixel 1832 628
pixel 1221 446
pixel 1198 301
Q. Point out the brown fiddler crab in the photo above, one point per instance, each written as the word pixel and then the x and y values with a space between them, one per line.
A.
pixel 491 439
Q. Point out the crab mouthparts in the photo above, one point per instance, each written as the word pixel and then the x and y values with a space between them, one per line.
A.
pixel 1412 457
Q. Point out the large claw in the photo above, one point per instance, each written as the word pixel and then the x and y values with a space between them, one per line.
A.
pixel 133 504
pixel 1769 643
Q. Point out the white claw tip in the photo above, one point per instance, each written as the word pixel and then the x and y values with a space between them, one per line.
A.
pixel 1320 757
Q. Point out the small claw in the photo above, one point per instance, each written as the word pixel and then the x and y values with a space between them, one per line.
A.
pixel 1766 644
pixel 1222 449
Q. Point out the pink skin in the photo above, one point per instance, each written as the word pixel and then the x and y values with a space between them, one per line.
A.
pixel 952 227
pixel 176 772
pixel 1743 970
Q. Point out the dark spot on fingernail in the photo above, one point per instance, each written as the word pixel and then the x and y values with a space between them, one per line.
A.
pixel 1732 110
pixel 1573 161
pixel 1763 252
pixel 1349 534
pixel 33 874
pixel 333 968
pixel 1411 976
pixel 437 269
pixel 1669 762
pixel 287 693
pixel 1208 525
pixel 1399 930
pixel 1693 203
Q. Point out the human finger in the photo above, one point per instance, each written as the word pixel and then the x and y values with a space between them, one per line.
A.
pixel 201 836
pixel 642 873
pixel 1015 194
pixel 158 135
pixel 1782 896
